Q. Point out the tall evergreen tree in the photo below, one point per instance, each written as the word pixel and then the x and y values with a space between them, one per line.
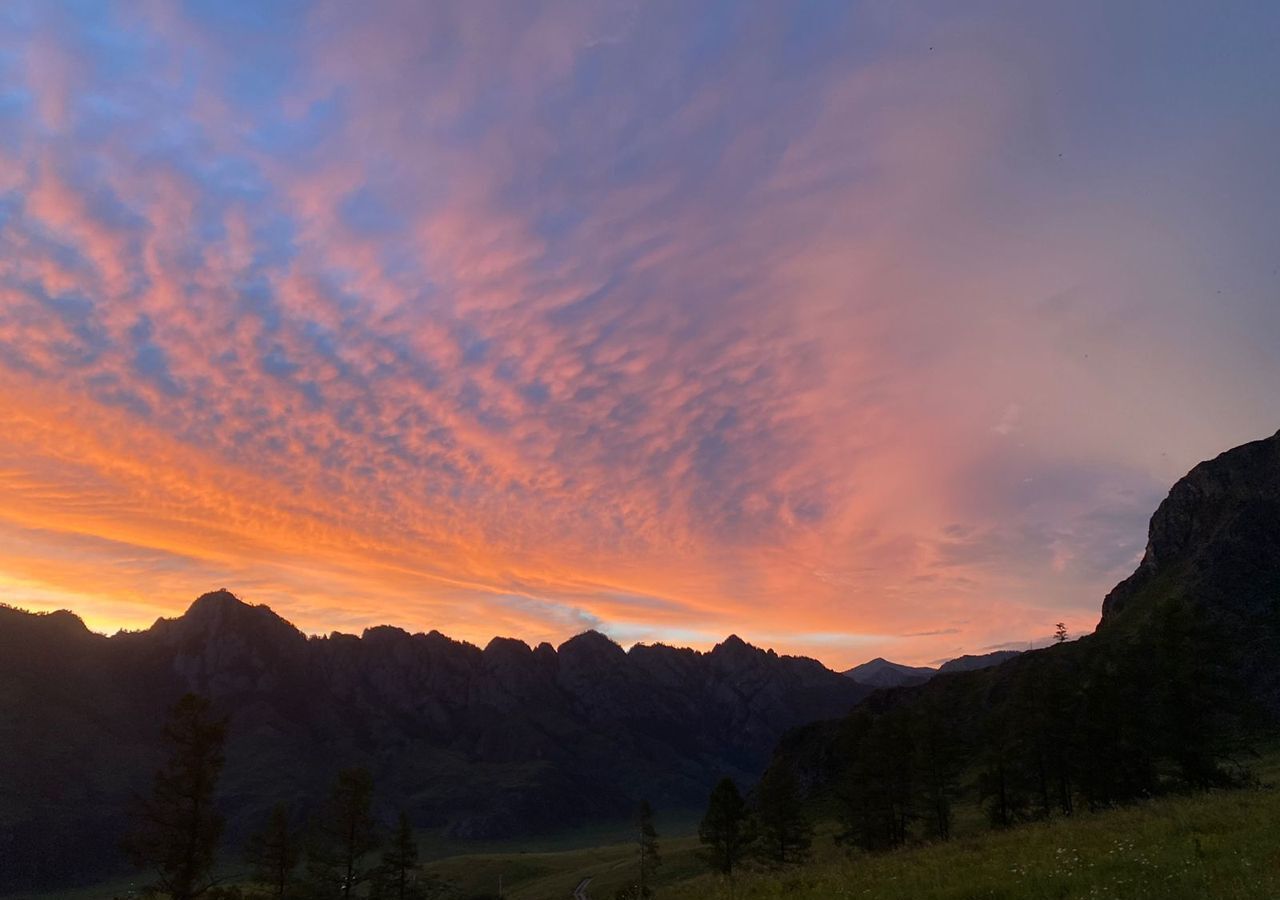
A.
pixel 785 832
pixel 343 834
pixel 1119 731
pixel 274 852
pixel 397 877
pixel 1199 697
pixel 938 763
pixel 178 825
pixel 878 788
pixel 725 830
pixel 1001 781
pixel 647 841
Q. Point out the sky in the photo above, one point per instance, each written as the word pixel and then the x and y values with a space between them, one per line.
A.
pixel 855 329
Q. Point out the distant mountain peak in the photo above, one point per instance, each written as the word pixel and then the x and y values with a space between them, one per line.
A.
pixel 880 672
pixel 590 637
pixel 221 612
pixel 735 646
pixel 591 645
pixel 58 621
pixel 387 633
pixel 220 599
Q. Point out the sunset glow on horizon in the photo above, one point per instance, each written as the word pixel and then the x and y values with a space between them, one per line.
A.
pixel 853 329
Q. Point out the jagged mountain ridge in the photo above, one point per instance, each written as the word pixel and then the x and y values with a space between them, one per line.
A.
pixel 503 740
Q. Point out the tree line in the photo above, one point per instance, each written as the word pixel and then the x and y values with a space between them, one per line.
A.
pixel 340 850
pixel 1123 717
pixel 1102 722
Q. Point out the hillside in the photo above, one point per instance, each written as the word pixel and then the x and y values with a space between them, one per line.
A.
pixel 1183 848
pixel 501 741
pixel 1183 668
pixel 979 661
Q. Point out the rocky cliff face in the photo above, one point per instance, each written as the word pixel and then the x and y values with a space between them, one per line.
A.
pixel 1217 534
pixel 502 740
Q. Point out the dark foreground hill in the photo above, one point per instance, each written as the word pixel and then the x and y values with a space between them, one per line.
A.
pixel 499 741
pixel 1182 673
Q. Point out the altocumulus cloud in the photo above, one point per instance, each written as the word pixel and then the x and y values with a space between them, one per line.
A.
pixel 668 319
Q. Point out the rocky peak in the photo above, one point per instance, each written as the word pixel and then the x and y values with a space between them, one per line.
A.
pixel 60 622
pixel 34 640
pixel 734 652
pixel 591 647
pixel 1214 502
pixel 223 645
pixel 385 634
pixel 221 612
pixel 508 656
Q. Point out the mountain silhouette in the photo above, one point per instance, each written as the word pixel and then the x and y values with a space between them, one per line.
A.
pixel 971 663
pixel 881 673
pixel 493 742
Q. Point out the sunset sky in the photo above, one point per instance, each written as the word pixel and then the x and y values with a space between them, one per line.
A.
pixel 855 329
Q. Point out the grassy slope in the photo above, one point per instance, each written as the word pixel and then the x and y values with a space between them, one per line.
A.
pixel 1223 845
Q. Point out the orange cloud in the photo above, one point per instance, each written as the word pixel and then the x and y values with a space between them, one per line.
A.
pixel 523 327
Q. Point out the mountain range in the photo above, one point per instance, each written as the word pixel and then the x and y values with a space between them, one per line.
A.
pixel 493 742
pixel 512 739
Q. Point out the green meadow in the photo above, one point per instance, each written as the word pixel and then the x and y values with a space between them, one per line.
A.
pixel 1217 845
pixel 1223 845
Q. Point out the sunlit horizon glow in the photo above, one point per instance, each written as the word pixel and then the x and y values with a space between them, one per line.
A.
pixel 853 329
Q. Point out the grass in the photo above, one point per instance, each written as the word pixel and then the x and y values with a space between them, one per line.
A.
pixel 532 876
pixel 1219 845
pixel 1222 845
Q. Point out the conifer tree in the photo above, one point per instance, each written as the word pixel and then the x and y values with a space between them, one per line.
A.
pixel 937 760
pixel 274 852
pixel 1000 782
pixel 725 830
pixel 397 877
pixel 343 834
pixel 785 832
pixel 878 789
pixel 648 849
pixel 178 825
